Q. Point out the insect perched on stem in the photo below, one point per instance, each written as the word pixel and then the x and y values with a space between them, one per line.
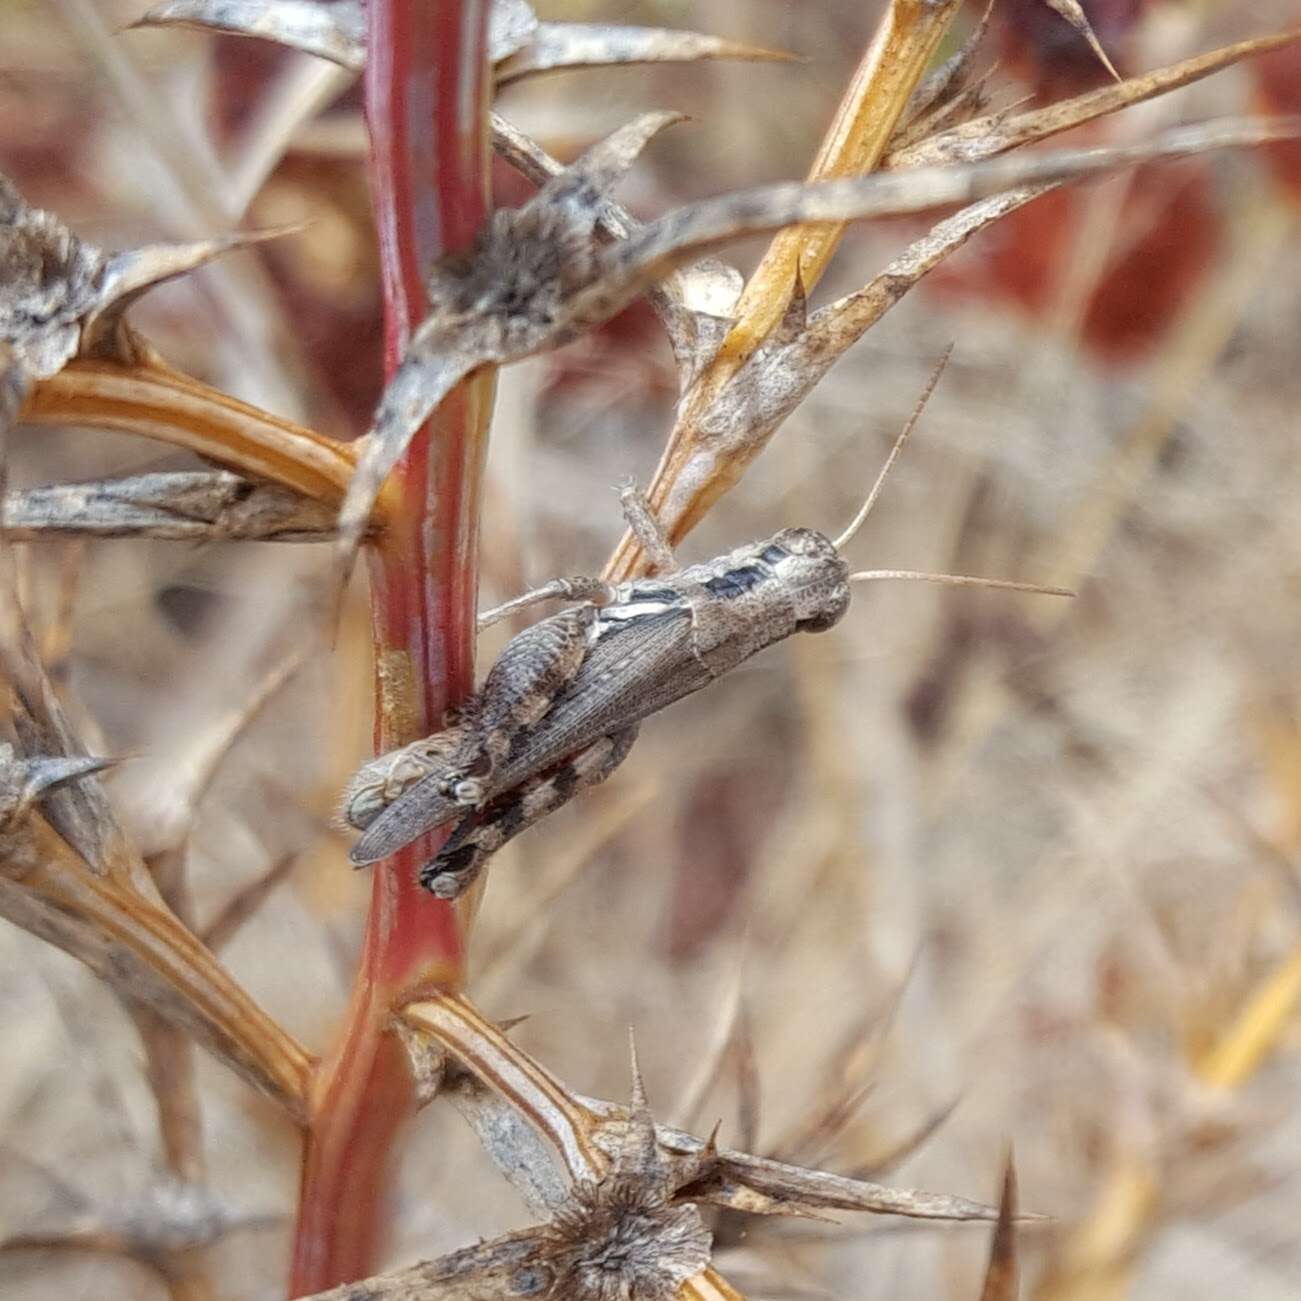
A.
pixel 560 708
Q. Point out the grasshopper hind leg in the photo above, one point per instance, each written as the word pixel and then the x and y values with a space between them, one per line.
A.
pixel 533 667
pixel 478 836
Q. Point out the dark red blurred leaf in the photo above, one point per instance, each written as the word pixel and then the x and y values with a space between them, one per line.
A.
pixel 1278 90
pixel 1168 235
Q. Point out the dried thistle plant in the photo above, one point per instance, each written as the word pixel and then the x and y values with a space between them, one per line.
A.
pixel 624 1208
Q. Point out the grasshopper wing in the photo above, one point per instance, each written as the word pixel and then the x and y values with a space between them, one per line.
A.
pixel 415 811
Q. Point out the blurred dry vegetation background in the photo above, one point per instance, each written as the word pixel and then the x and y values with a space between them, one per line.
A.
pixel 1001 868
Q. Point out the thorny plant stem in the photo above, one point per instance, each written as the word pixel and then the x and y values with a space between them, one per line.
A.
pixel 426 104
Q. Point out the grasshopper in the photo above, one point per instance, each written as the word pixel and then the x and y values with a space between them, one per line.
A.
pixel 560 707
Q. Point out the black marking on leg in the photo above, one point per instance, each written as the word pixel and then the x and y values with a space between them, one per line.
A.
pixel 479 836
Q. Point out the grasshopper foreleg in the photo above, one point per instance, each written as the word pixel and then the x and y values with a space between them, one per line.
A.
pixel 578 588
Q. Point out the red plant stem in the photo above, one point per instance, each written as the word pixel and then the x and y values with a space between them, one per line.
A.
pixel 426 106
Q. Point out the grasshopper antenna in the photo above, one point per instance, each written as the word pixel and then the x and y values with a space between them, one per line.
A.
pixel 866 509
pixel 957 580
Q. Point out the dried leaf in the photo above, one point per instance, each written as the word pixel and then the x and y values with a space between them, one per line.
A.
pixel 146 956
pixel 1075 15
pixel 1248 1041
pixel 559 46
pixel 745 414
pixel 151 400
pixel 711 1061
pixel 592 1135
pixel 704 226
pixel 999 132
pixel 330 29
pixel 133 272
pixel 183 506
pixel 518 45
pixel 795 1190
pixel 897 1153
pixel 161 806
pixel 940 88
pixel 1095 1262
pixel 25 781
pixel 747 1083
pixel 78 812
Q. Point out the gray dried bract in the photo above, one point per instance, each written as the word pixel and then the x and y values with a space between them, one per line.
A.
pixel 24 781
pixel 558 46
pixel 49 281
pixel 188 505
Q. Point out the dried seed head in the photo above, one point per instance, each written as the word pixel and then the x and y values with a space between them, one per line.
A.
pixel 624 1238
pixel 60 296
pixel 49 280
pixel 619 1241
pixel 525 265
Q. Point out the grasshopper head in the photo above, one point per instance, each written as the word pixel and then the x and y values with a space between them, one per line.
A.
pixel 813 574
